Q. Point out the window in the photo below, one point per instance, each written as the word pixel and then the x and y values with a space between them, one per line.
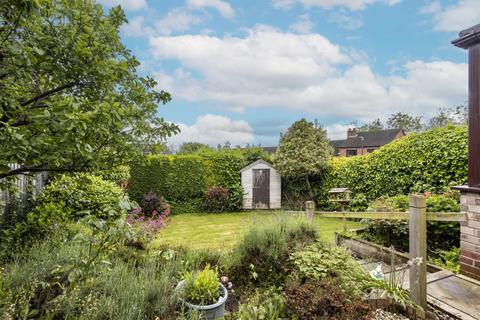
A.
pixel 351 152
pixel 370 150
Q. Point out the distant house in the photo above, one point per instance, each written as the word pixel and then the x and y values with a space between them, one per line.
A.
pixel 363 142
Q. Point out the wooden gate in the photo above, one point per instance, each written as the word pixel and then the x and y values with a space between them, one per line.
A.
pixel 261 188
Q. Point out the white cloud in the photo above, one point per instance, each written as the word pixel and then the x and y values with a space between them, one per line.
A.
pixel 462 15
pixel 306 72
pixel 177 20
pixel 344 20
pixel 214 129
pixel 353 5
pixel 303 25
pixel 223 7
pixel 128 5
pixel 337 131
pixel 136 28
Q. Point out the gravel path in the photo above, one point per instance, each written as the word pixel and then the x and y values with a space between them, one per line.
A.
pixel 380 314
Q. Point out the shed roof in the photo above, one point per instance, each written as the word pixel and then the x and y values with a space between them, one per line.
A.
pixel 253 164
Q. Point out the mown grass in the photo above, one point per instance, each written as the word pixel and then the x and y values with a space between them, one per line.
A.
pixel 221 231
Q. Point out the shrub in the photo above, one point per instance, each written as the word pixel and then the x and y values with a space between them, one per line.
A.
pixel 202 287
pixel 262 304
pixel 433 161
pixel 440 235
pixel 184 179
pixel 358 203
pixel 82 194
pixel 323 299
pixel 262 255
pixel 152 202
pixel 217 199
pixel 448 259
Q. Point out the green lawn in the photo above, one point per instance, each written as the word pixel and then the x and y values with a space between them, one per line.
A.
pixel 222 230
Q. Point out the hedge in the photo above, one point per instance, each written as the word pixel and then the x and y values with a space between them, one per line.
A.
pixel 183 180
pixel 433 161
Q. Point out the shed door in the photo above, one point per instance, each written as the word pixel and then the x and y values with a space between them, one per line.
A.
pixel 261 188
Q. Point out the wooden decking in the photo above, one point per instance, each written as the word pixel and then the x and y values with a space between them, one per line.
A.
pixel 455 294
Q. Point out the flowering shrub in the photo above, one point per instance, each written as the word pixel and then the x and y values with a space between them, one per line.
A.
pixel 217 199
pixel 146 226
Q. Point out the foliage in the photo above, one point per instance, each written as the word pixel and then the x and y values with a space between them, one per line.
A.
pixel 202 287
pixel 432 161
pixel 263 304
pixel 303 152
pixel 318 261
pixel 71 98
pixel 440 235
pixel 252 154
pixel 191 147
pixel 405 121
pixel 217 199
pixel 448 259
pixel 147 227
pixel 262 255
pixel 81 194
pixel 358 203
pixel 119 175
pixel 152 203
pixel 375 125
pixel 183 180
pixel 323 300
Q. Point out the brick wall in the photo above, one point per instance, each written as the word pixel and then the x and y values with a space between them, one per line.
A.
pixel 470 235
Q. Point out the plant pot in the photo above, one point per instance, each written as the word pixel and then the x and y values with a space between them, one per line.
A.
pixel 211 311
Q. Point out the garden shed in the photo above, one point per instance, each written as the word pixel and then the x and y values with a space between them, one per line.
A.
pixel 261 186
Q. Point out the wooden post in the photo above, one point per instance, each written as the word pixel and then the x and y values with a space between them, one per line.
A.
pixel 418 250
pixel 469 39
pixel 310 210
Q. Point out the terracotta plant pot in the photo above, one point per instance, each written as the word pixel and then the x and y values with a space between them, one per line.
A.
pixel 211 311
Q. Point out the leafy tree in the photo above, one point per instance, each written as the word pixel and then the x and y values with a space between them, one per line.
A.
pixel 192 147
pixel 405 121
pixel 375 125
pixel 455 115
pixel 70 96
pixel 303 152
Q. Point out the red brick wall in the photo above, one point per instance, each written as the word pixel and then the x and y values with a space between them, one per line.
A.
pixel 470 236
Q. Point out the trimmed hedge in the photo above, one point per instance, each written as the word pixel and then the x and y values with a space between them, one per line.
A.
pixel 183 180
pixel 432 161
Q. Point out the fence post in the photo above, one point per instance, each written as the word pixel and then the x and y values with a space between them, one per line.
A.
pixel 418 249
pixel 310 210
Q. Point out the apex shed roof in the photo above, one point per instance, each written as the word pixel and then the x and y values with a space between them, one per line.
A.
pixel 251 165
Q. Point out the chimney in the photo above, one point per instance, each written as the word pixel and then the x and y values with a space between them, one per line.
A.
pixel 352 133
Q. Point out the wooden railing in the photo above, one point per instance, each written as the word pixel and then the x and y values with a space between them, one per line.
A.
pixel 417 217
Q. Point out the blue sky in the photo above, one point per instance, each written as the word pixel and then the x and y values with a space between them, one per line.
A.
pixel 243 71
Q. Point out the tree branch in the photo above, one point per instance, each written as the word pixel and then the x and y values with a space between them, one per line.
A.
pixel 37 168
pixel 45 94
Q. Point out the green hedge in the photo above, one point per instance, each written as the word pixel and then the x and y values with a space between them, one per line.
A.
pixel 183 180
pixel 433 161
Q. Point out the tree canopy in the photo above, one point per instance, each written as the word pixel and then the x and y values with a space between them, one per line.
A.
pixel 303 151
pixel 192 147
pixel 70 95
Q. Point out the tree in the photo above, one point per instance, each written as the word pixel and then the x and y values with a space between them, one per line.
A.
pixel 70 95
pixel 303 151
pixel 375 125
pixel 455 115
pixel 192 147
pixel 405 121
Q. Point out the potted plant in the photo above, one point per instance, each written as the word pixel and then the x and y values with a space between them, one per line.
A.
pixel 203 291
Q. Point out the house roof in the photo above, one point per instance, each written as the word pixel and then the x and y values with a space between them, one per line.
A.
pixel 368 139
pixel 253 164
pixel 270 149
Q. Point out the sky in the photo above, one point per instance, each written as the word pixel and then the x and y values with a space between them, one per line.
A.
pixel 243 71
